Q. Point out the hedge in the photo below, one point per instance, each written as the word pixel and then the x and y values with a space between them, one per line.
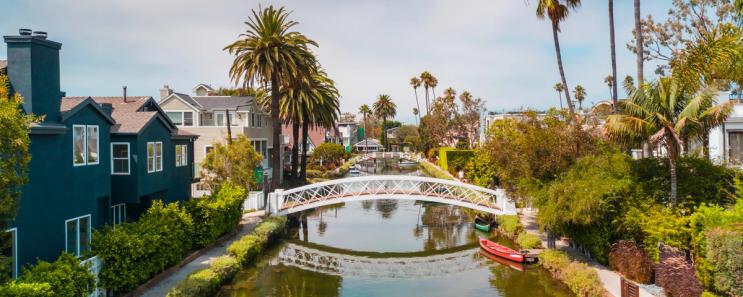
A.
pixel 454 160
pixel 216 214
pixel 434 171
pixel 65 277
pixel 510 225
pixel 579 277
pixel 632 261
pixel 528 241
pixel 725 252
pixel 243 252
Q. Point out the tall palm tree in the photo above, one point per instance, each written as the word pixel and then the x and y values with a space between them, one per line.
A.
pixel 325 112
pixel 416 113
pixel 639 44
pixel 416 83
pixel 559 88
pixel 557 11
pixel 434 82
pixel 580 95
pixel 271 54
pixel 612 44
pixel 384 108
pixel 426 78
pixel 609 81
pixel 664 113
pixel 365 111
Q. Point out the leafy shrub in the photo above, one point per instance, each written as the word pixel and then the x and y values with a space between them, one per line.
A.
pixel 676 275
pixel 579 277
pixel 630 260
pixel 509 224
pixel 19 289
pixel 725 253
pixel 434 171
pixel 528 241
pixel 216 214
pixel 330 154
pixel 313 173
pixel 134 252
pixel 705 219
pixel 206 282
pixel 454 160
pixel 246 249
pixel 225 267
pixel 270 228
pixel 654 224
pixel 64 277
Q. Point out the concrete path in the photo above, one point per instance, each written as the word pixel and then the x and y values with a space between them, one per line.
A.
pixel 609 278
pixel 248 222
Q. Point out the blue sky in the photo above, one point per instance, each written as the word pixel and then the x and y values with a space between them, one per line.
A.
pixel 497 50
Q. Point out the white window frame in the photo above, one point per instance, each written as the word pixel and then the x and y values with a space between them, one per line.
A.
pixel 181 158
pixel 97 144
pixel 217 114
pixel 14 236
pixel 121 212
pixel 128 159
pixel 84 148
pixel 90 230
pixel 206 149
pixel 183 117
pixel 157 160
pixel 150 157
pixel 159 156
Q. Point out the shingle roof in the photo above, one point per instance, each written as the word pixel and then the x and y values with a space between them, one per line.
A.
pixel 221 102
pixel 128 118
pixel 188 99
pixel 372 142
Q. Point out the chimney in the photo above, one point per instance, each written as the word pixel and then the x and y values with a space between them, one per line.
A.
pixel 165 92
pixel 33 70
pixel 124 87
pixel 107 107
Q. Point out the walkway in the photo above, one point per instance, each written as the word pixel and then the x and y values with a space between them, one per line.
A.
pixel 248 222
pixel 609 278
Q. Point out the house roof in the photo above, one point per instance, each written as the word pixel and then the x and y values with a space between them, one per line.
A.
pixel 315 135
pixel 186 98
pixel 222 102
pixel 129 117
pixel 73 105
pixel 372 142
pixel 203 85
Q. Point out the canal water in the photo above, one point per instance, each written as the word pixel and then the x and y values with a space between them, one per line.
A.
pixel 388 248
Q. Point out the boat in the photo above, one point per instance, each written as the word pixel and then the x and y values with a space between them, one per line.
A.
pixel 354 172
pixel 513 265
pixel 482 225
pixel 501 251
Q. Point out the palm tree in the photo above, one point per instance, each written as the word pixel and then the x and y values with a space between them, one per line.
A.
pixel 557 11
pixel 639 44
pixel 325 112
pixel 612 44
pixel 426 78
pixel 416 83
pixel 365 111
pixel 559 88
pixel 609 81
pixel 416 113
pixel 434 82
pixel 384 108
pixel 580 95
pixel 271 54
pixel 664 113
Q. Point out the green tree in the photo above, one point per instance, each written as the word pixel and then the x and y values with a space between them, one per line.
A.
pixel 662 113
pixel 324 113
pixel 328 154
pixel 234 162
pixel 365 111
pixel 271 54
pixel 14 129
pixel 557 11
pixel 559 88
pixel 66 276
pixel 416 83
pixel 384 108
pixel 580 95
pixel 427 80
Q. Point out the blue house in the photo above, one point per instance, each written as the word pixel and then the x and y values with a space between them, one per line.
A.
pixel 95 161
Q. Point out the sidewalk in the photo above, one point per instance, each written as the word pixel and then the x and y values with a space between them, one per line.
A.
pixel 609 278
pixel 248 222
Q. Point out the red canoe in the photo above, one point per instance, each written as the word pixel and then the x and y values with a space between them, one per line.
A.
pixel 501 251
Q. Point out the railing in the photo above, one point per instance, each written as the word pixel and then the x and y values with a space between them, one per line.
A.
pixel 254 201
pixel 95 268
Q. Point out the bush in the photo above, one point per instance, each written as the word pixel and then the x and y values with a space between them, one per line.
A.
pixel 270 228
pixel 510 225
pixel 434 171
pixel 19 289
pixel 630 260
pixel 206 282
pixel 330 154
pixel 654 224
pixel 134 252
pixel 579 277
pixel 313 173
pixel 63 277
pixel 454 160
pixel 676 275
pixel 225 267
pixel 246 249
pixel 216 214
pixel 725 253
pixel 528 241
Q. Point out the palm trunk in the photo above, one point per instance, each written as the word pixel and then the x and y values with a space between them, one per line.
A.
pixel 418 116
pixel 705 144
pixel 303 170
pixel 571 109
pixel 613 58
pixel 384 133
pixel 559 94
pixel 295 152
pixel 276 155
pixel 674 185
pixel 638 44
pixel 366 137
pixel 428 109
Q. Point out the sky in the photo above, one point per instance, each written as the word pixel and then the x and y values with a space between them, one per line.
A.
pixel 495 49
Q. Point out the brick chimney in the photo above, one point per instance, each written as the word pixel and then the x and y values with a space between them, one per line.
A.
pixel 33 70
pixel 165 92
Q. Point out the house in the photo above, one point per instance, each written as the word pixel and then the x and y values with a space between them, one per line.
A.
pixel 726 141
pixel 315 137
pixel 207 116
pixel 77 153
pixel 368 146
pixel 348 130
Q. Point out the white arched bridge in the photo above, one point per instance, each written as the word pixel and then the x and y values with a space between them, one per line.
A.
pixel 389 155
pixel 399 187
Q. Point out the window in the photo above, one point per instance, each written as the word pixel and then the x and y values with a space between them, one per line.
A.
pixel 181 155
pixel 9 249
pixel 120 158
pixel 85 145
pixel 187 118
pixel 118 214
pixel 181 118
pixel 735 148
pixel 208 149
pixel 77 235
pixel 261 146
pixel 154 156
pixel 219 119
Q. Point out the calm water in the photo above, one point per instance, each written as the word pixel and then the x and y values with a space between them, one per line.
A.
pixel 388 248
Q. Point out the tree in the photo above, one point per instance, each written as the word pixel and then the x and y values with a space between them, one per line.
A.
pixel 384 108
pixel 609 81
pixel 612 45
pixel 14 129
pixel 427 79
pixel 468 118
pixel 365 111
pixel 271 54
pixel 328 154
pixel 557 11
pixel 580 95
pixel 416 113
pixel 559 88
pixel 234 162
pixel 639 44
pixel 416 83
pixel 324 113
pixel 662 113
